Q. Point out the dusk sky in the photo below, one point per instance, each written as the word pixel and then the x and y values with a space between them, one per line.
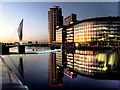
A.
pixel 35 15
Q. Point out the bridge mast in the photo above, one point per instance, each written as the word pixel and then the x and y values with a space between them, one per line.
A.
pixel 20 29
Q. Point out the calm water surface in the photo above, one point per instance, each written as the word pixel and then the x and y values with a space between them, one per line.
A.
pixel 67 69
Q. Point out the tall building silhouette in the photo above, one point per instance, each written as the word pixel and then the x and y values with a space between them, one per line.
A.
pixel 55 72
pixel 55 18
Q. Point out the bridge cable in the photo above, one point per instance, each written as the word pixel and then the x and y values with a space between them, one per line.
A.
pixel 13 35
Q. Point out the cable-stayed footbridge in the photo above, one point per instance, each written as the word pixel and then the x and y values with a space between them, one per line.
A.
pixel 21 46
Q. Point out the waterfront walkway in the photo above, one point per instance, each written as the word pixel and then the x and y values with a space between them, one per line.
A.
pixel 9 79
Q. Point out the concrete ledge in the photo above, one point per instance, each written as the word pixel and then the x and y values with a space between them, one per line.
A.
pixel 9 79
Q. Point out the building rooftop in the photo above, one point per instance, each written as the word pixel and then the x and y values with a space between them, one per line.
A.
pixel 54 7
pixel 102 18
pixel 69 16
pixel 97 19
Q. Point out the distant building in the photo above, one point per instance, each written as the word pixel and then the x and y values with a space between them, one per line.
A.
pixel 36 42
pixel 55 18
pixel 29 41
pixel 70 19
pixel 17 43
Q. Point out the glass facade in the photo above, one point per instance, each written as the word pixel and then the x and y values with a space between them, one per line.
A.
pixel 98 32
pixel 61 35
pixel 70 34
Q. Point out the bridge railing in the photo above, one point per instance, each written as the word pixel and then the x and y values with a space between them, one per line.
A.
pixel 30 44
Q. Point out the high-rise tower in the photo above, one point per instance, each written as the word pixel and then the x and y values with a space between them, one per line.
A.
pixel 55 18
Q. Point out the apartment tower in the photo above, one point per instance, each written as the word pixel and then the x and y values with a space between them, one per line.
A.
pixel 55 18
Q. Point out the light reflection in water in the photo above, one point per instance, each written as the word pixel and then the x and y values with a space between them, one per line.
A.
pixel 39 71
pixel 20 66
pixel 102 65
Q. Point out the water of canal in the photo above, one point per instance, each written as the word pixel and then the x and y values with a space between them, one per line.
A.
pixel 67 69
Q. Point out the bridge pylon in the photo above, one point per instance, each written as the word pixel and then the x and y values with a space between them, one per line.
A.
pixel 21 49
pixel 20 32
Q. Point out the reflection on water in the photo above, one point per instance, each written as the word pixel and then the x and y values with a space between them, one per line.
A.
pixel 20 67
pixel 93 64
pixel 55 73
pixel 68 69
pixel 29 49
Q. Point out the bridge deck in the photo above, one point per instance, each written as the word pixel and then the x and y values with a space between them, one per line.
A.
pixel 33 44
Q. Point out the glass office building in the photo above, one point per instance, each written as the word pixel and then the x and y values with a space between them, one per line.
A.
pixel 102 31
